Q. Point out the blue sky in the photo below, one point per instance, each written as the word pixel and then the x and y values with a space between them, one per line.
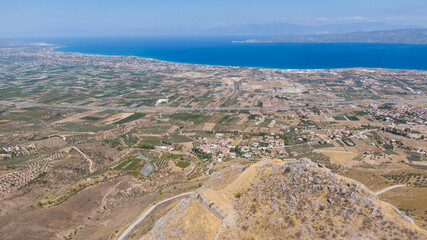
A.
pixel 96 17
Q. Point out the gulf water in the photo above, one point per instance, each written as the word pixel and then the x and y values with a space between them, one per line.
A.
pixel 222 51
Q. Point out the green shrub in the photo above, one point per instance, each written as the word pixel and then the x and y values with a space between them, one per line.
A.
pixel 183 164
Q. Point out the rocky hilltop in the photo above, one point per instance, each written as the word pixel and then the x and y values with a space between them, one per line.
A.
pixel 283 200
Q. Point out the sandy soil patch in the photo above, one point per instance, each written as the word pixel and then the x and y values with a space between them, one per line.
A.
pixel 18 111
pixel 422 163
pixel 191 75
pixel 188 145
pixel 411 200
pixel 208 126
pixel 339 157
pixel 76 117
pixel 264 129
pixel 243 118
pixel 214 118
pixel 116 117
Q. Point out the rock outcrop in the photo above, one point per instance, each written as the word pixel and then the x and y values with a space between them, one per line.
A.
pixel 283 200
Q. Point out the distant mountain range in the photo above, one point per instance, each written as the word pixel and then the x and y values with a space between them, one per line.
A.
pixel 409 36
pixel 256 29
pixel 265 29
pixel 287 29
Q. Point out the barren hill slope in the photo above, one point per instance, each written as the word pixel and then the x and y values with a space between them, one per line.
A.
pixel 278 200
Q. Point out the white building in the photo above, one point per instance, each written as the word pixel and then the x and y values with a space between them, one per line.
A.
pixel 162 100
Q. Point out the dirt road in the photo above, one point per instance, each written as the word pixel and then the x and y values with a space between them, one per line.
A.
pixel 145 214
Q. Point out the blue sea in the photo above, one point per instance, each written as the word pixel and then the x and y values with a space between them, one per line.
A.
pixel 222 51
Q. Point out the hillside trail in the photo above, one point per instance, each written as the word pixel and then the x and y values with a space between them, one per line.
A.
pixel 389 188
pixel 145 214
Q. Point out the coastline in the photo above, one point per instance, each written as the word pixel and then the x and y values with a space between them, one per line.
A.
pixel 65 49
pixel 321 42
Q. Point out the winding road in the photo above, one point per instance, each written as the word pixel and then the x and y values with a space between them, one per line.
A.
pixel 389 188
pixel 84 155
pixel 143 216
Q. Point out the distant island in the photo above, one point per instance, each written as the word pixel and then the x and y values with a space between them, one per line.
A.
pixel 408 36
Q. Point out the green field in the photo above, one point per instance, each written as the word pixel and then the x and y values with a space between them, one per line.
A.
pixel 340 118
pixel 131 118
pixel 183 164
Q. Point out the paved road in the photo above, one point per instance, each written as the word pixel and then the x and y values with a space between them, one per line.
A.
pixel 216 109
pixel 389 188
pixel 143 216
pixel 328 150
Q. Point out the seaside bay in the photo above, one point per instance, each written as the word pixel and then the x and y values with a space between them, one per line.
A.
pixel 222 51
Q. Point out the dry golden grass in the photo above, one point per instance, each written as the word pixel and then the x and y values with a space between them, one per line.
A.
pixel 208 126
pixel 116 117
pixel 76 117
pixel 410 200
pixel 339 157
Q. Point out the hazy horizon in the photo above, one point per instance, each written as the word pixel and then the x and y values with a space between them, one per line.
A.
pixel 49 18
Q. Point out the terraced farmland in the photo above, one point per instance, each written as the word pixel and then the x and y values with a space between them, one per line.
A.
pixel 12 181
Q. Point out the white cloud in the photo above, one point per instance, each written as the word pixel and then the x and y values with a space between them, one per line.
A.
pixel 357 18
